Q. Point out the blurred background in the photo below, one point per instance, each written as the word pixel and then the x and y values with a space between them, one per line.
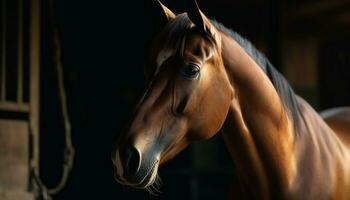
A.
pixel 103 45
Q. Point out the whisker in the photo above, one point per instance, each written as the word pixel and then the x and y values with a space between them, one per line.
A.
pixel 154 189
pixel 150 191
pixel 158 179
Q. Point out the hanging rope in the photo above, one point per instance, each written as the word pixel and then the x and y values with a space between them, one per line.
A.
pixel 43 192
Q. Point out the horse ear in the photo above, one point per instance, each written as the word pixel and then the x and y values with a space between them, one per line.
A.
pixel 162 13
pixel 166 11
pixel 196 16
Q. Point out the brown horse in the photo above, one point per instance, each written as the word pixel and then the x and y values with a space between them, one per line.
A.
pixel 203 78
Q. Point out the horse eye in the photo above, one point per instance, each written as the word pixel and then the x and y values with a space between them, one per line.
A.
pixel 190 71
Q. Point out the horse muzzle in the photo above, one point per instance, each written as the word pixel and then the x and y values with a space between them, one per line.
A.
pixel 134 170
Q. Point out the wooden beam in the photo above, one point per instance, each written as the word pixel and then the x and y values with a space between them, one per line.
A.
pixel 322 8
pixel 3 52
pixel 323 19
pixel 20 53
pixel 34 60
pixel 14 106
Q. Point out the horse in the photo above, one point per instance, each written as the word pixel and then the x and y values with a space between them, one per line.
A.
pixel 203 78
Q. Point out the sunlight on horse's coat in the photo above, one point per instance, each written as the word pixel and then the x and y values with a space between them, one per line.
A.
pixel 163 55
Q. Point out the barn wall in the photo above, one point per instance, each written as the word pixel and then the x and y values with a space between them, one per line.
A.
pixel 14 159
pixel 19 69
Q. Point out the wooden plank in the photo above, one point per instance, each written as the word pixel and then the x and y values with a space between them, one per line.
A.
pixel 14 106
pixel 3 52
pixel 15 195
pixel 14 144
pixel 14 172
pixel 20 53
pixel 34 80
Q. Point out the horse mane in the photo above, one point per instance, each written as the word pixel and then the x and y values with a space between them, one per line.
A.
pixel 283 88
pixel 174 35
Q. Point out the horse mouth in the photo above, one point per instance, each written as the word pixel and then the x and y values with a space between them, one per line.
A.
pixel 147 180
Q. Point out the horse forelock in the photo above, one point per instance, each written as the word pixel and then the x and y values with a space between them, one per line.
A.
pixel 172 38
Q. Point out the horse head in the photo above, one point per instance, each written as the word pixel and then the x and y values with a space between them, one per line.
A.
pixel 187 97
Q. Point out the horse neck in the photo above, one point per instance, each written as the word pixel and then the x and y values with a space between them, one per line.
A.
pixel 257 131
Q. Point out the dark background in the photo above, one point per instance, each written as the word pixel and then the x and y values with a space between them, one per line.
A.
pixel 104 44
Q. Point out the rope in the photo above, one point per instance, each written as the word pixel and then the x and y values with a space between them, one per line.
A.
pixel 45 193
pixel 68 158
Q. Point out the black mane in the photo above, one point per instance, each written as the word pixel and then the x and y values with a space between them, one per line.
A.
pixel 284 90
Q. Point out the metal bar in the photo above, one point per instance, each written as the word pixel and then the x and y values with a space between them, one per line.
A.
pixel 3 53
pixel 16 107
pixel 20 53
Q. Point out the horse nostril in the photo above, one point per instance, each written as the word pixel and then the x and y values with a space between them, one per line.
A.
pixel 133 160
